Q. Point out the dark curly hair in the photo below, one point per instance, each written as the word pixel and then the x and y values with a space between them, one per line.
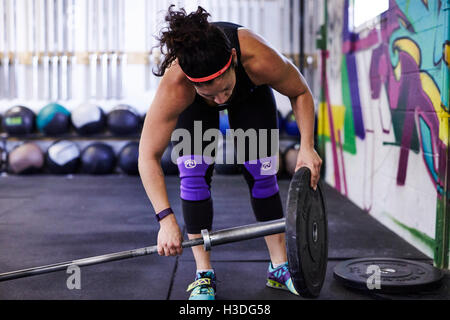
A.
pixel 200 47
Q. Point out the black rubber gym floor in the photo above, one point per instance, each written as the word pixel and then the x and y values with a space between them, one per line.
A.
pixel 48 219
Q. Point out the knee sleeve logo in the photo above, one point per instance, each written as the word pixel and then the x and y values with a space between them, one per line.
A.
pixel 265 166
pixel 269 166
pixel 190 164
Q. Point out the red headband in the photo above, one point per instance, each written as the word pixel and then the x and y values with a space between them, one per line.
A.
pixel 214 75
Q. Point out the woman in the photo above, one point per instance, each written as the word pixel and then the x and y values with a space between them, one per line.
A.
pixel 208 67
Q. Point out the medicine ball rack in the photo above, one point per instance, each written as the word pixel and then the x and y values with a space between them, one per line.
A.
pixel 5 138
pixel 284 141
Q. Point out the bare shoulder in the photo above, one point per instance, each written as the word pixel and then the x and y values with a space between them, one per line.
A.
pixel 250 42
pixel 258 56
pixel 174 77
pixel 265 65
pixel 174 90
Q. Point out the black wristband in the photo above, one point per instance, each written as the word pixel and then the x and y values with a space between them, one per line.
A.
pixel 162 214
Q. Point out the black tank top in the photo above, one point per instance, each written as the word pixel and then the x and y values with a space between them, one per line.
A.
pixel 244 86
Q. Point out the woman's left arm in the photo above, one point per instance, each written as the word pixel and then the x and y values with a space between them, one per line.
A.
pixel 266 66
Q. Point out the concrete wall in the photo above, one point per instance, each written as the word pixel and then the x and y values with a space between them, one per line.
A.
pixel 383 116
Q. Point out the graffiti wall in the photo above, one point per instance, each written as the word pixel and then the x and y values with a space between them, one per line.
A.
pixel 384 116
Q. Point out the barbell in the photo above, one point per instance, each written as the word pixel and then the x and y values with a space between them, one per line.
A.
pixel 305 228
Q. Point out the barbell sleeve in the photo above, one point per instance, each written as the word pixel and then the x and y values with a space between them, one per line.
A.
pixel 247 232
pixel 215 238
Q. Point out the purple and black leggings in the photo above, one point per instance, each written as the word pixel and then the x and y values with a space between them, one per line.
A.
pixel 257 111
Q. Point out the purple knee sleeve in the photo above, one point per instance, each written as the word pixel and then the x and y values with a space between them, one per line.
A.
pixel 192 174
pixel 264 172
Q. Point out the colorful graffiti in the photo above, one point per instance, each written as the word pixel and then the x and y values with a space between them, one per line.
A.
pixel 404 58
pixel 402 62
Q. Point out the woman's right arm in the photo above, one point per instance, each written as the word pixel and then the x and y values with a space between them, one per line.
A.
pixel 174 94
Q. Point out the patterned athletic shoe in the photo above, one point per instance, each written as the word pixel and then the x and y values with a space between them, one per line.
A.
pixel 204 286
pixel 280 278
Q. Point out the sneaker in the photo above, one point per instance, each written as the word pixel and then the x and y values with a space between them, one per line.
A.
pixel 204 286
pixel 280 278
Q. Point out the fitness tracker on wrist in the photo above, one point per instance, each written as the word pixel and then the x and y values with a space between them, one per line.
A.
pixel 162 214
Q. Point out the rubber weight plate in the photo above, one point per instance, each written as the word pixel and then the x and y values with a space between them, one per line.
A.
pixel 387 275
pixel 306 234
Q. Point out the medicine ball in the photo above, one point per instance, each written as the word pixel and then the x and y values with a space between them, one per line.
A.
pixel 221 166
pixel 63 157
pixel 290 125
pixel 123 120
pixel 128 158
pixel 26 158
pixel 98 158
pixel 290 158
pixel 168 166
pixel 88 119
pixel 53 119
pixel 224 123
pixel 19 120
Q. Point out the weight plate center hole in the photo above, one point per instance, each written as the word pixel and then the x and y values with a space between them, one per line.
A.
pixel 315 232
pixel 388 270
